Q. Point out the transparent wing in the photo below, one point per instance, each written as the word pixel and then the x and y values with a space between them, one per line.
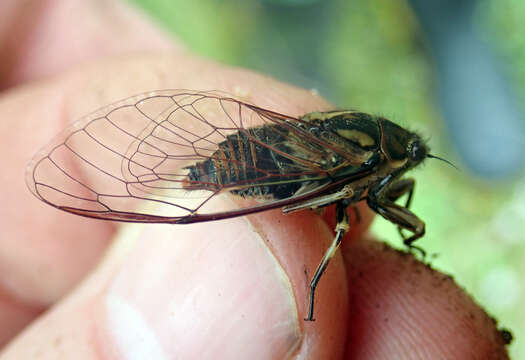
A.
pixel 130 161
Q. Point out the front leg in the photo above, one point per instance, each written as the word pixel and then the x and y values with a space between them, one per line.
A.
pixel 399 188
pixel 381 199
pixel 396 190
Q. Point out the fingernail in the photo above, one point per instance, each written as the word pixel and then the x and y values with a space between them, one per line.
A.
pixel 210 290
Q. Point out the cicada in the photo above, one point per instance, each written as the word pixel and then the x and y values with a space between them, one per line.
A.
pixel 162 157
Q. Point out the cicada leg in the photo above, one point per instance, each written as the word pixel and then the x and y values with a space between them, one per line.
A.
pixel 341 229
pixel 382 200
pixel 398 189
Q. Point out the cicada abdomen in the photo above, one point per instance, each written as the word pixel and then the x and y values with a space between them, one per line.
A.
pixel 249 169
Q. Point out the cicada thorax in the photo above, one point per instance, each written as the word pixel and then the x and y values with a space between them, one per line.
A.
pixel 365 135
pixel 356 132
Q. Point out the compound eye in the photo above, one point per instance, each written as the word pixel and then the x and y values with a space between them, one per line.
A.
pixel 418 151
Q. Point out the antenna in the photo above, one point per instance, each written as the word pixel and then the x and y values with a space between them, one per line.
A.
pixel 445 160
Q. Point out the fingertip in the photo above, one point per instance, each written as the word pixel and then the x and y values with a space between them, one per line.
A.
pixel 299 241
pixel 403 308
pixel 212 286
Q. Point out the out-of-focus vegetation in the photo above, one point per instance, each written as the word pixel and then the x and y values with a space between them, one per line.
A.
pixel 371 56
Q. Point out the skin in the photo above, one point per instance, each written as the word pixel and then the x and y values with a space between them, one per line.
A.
pixel 78 288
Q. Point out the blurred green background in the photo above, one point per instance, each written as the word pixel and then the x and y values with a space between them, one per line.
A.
pixel 374 55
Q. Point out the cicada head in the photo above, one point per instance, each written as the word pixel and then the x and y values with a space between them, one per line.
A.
pixel 401 147
pixel 417 150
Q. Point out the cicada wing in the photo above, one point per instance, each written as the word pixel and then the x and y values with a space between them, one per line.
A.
pixel 130 161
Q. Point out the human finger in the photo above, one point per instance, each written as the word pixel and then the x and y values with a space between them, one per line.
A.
pixel 44 38
pixel 402 308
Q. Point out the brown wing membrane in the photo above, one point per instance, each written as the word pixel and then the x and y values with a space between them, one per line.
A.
pixel 132 161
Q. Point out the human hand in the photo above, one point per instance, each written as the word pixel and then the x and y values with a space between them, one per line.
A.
pixel 227 289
